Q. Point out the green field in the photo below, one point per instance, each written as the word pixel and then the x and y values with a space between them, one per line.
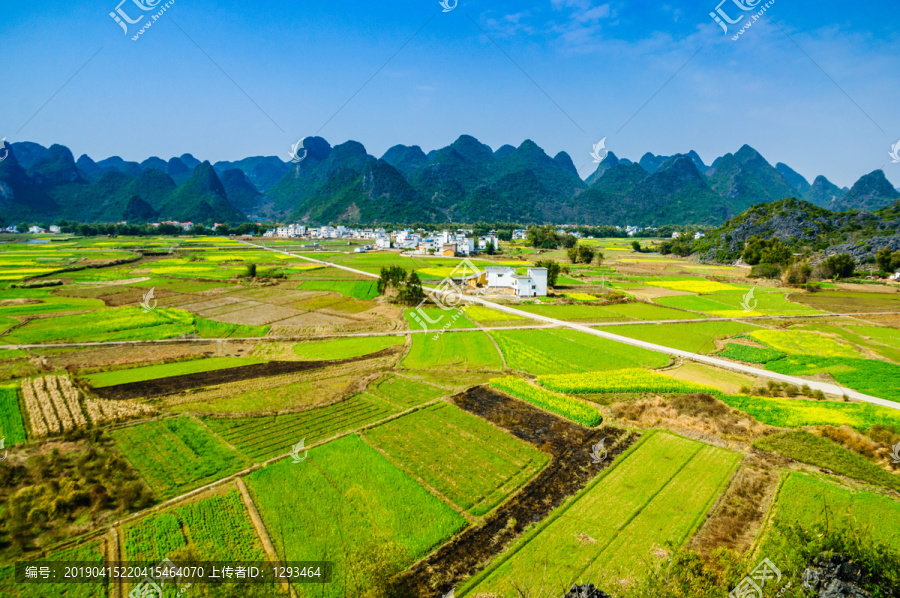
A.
pixel 463 457
pixel 435 318
pixel 12 427
pixel 403 392
pixel 125 323
pixel 876 378
pixel 814 450
pixel 728 304
pixel 176 455
pixel 218 527
pixel 750 354
pixel 654 497
pixel 89 554
pixel 344 348
pixel 348 504
pixel 358 289
pixel 796 413
pixel 470 350
pixel 796 342
pixel 696 337
pixel 542 352
pixel 620 381
pixel 803 499
pixel 569 407
pixel 154 372
pixel 262 438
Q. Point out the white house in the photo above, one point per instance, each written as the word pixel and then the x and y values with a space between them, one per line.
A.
pixel 533 284
pixel 519 234
pixel 699 235
pixel 55 229
pixel 676 235
pixel 35 230
pixel 383 242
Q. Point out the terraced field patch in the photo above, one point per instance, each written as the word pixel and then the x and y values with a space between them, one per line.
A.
pixel 569 407
pixel 542 352
pixel 89 554
pixel 870 376
pixel 693 286
pixel 355 504
pixel 435 318
pixel 621 381
pixel 696 337
pixel 153 372
pixel 263 438
pixel 358 289
pixel 403 392
pixel 656 495
pixel 464 458
pixel 176 455
pixel 796 342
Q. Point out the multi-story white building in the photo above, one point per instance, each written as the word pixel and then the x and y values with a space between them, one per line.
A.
pixel 532 284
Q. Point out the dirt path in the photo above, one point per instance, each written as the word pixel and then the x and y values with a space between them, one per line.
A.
pixel 261 531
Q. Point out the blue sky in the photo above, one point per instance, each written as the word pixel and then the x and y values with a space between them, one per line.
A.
pixel 564 73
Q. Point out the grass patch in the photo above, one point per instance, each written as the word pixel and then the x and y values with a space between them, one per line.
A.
pixel 876 378
pixel 804 343
pixel 819 452
pixel 696 337
pixel 692 286
pixel 436 318
pixel 464 458
pixel 750 354
pixel 343 348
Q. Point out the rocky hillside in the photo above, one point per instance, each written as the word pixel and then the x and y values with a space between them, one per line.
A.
pixel 805 227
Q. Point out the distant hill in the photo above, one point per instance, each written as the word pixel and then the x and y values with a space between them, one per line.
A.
pixel 465 181
pixel 805 227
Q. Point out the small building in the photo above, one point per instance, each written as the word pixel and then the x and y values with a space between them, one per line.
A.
pixel 532 284
pixel 448 249
pixel 499 276
pixel 36 230
pixel 699 235
pixel 55 229
pixel 676 235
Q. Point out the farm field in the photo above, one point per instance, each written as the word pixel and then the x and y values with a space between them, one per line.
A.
pixel 356 505
pixel 265 437
pixel 12 427
pixel 803 499
pixel 620 381
pixel 849 302
pixel 696 337
pixel 796 413
pixel 653 509
pixel 342 348
pixel 470 350
pixel 362 289
pixel 541 352
pixel 113 377
pixel 568 407
pixel 435 318
pixel 464 458
pixel 91 554
pixel 864 375
pixel 176 455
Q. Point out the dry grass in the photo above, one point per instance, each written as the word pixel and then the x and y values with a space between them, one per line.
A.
pixel 875 445
pixel 39 427
pixel 737 517
pixel 102 411
pixel 700 414
pixel 53 405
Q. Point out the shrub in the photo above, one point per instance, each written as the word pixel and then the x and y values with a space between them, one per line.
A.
pixel 765 271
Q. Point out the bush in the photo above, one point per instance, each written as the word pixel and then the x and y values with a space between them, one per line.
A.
pixel 765 271
pixel 797 275
pixel 838 266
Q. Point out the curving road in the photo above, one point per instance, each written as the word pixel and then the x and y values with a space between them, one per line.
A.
pixel 832 389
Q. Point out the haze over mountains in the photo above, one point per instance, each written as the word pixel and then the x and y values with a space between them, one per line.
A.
pixel 465 181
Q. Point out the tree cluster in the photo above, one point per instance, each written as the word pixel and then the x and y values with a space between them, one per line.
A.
pixel 582 254
pixel 553 270
pixel 407 287
pixel 544 237
pixel 888 262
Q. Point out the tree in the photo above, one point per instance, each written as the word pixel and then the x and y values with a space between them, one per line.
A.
pixel 580 253
pixel 553 269
pixel 600 258
pixel 636 246
pixel 251 270
pixel 412 292
pixel 887 261
pixel 839 266
pixel 568 241
pixel 490 249
pixel 390 277
pixel 543 237
pixel 766 251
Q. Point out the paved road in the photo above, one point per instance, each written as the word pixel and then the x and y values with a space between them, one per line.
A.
pixel 826 387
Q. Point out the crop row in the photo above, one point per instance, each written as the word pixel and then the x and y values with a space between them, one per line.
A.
pixel 570 407
pixel 12 429
pixel 621 381
pixel 102 411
